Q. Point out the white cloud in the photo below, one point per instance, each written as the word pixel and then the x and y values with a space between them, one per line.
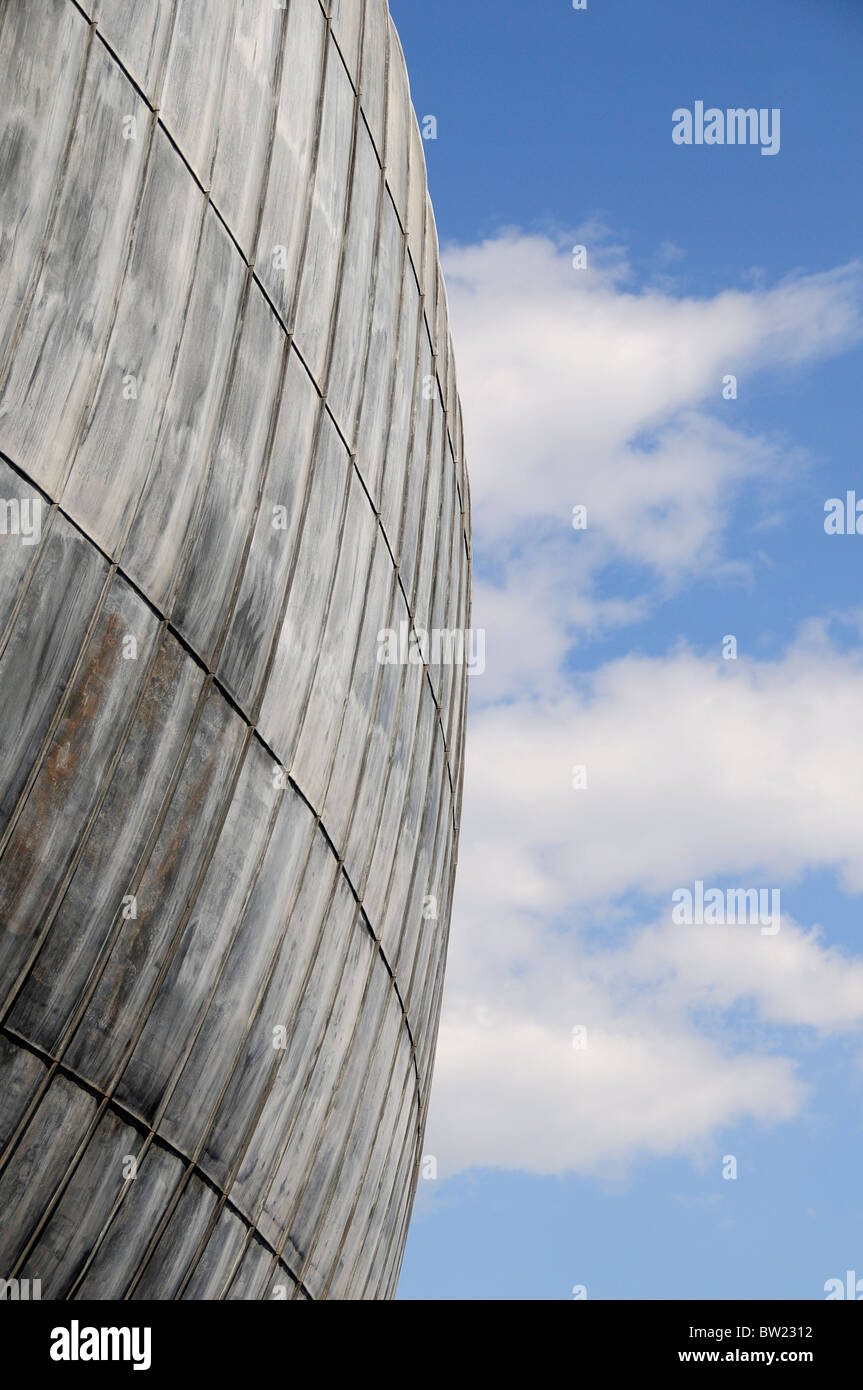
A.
pixel 563 373
pixel 696 769
pixel 793 978
pixel 628 1094
pixel 576 389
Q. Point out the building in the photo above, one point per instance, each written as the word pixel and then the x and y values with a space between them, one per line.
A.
pixel 231 458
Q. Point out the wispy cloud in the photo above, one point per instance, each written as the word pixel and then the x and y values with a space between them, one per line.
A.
pixel 578 388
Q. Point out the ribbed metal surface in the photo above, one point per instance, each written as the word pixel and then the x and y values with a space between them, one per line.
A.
pixel 226 375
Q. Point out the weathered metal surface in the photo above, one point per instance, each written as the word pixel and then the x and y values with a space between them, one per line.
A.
pixel 222 819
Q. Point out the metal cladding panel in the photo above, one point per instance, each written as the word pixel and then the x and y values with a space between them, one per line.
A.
pixel 228 828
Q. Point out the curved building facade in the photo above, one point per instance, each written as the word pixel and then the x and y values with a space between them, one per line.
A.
pixel 230 463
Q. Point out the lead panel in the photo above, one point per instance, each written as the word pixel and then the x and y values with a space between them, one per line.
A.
pixel 267 922
pixel 139 36
pixel 177 459
pixel 46 638
pixel 92 910
pixel 56 359
pixel 72 776
pixel 42 49
pixel 254 1117
pixel 217 540
pixel 84 1208
pixel 322 262
pixel 122 1250
pixel 39 1163
pixel 155 919
pixel 257 612
pixel 283 223
pixel 172 1258
pixel 194 89
pixel 308 603
pixel 108 471
pixel 201 954
pixel 245 130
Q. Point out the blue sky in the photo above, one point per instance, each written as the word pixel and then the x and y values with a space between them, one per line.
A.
pixel 602 1167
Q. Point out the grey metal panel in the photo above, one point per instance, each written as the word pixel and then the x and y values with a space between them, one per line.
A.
pixel 364 724
pixel 115 1261
pixel 424 995
pixel 250 92
pixel 347 22
pixel 378 1030
pixel 175 1251
pixel 301 634
pixel 376 40
pixel 179 455
pixel 396 1121
pixel 451 709
pixel 22 1073
pixel 266 924
pixel 449 400
pixel 214 1265
pixel 216 541
pixel 418 791
pixel 432 524
pixel 371 438
pixel 399 1163
pixel 146 942
pixel 318 739
pixel 40 61
pixel 398 131
pixel 322 261
pixel 57 355
pixel 18 551
pixel 442 337
pixel 266 575
pixel 418 479
pixel 194 88
pixel 178 1011
pixel 365 810
pixel 48 1144
pixel 363 979
pixel 40 655
pixel 283 223
pixel 393 1232
pixel 297 997
pixel 65 791
pixel 443 558
pixel 109 467
pixel 413 933
pixel 74 1226
pixel 222 837
pixel 410 723
pixel 139 35
pixel 429 273
pixel 344 378
pixel 370 1126
pixel 416 207
pixel 454 676
pixel 252 1278
pixel 402 412
pixel 90 913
